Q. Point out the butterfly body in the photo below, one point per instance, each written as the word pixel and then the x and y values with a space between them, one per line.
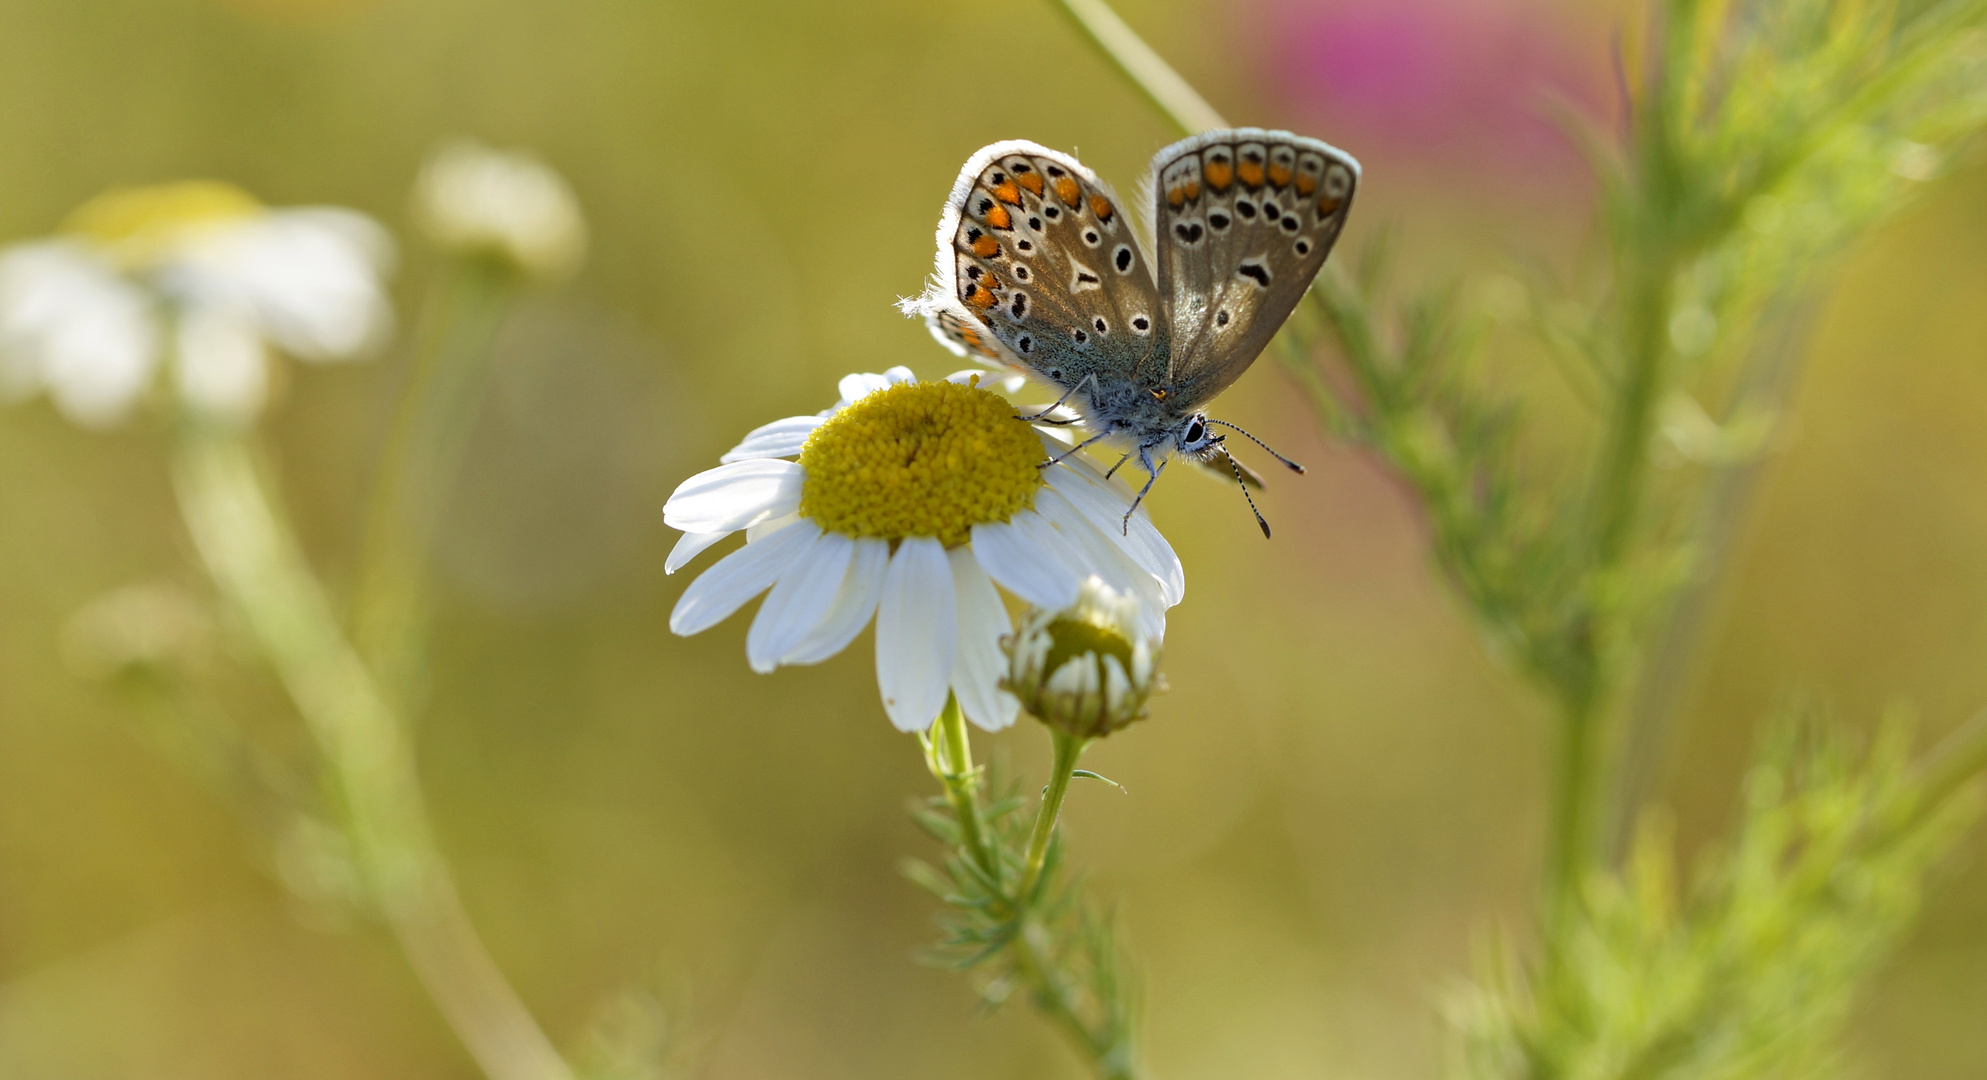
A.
pixel 1040 268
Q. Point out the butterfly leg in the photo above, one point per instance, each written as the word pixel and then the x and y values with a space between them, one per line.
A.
pixel 1058 459
pixel 1149 481
pixel 1119 465
pixel 1058 404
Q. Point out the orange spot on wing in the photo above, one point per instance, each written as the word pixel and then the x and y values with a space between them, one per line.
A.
pixel 986 247
pixel 1032 181
pixel 1193 189
pixel 1101 206
pixel 1329 205
pixel 980 298
pixel 1176 197
pixel 1251 173
pixel 1068 191
pixel 997 217
pixel 1008 193
pixel 1306 184
pixel 1279 174
pixel 1219 175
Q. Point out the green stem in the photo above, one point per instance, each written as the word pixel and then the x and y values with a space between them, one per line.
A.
pixel 949 755
pixel 1067 749
pixel 1952 764
pixel 1618 486
pixel 1151 74
pixel 1662 686
pixel 259 568
pixel 962 786
pixel 431 426
pixel 1570 832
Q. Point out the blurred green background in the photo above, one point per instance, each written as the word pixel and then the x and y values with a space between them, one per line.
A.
pixel 1340 795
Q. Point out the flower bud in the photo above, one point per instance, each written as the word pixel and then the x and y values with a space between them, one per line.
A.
pixel 1086 670
pixel 504 205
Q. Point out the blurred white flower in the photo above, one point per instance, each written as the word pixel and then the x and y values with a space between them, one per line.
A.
pixel 198 272
pixel 504 204
pixel 155 625
pixel 909 502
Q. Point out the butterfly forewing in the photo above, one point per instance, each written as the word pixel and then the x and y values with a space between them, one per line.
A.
pixel 1243 222
pixel 1038 267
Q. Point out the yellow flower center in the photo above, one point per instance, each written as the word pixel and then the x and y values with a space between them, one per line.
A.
pixel 139 226
pixel 920 459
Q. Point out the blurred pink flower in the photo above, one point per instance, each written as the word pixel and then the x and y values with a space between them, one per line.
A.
pixel 1443 82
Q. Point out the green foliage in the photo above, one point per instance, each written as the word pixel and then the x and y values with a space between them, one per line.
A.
pixel 1053 945
pixel 1762 139
pixel 1041 938
pixel 1751 970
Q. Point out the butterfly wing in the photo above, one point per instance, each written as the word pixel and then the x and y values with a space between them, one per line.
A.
pixel 1038 268
pixel 1243 219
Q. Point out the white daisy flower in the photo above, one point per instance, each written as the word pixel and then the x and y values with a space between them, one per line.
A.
pixel 910 502
pixel 198 272
pixel 501 204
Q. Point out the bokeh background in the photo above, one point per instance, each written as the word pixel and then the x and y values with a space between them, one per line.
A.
pixel 1340 795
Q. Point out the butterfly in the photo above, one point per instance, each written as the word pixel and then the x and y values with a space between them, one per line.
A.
pixel 1040 269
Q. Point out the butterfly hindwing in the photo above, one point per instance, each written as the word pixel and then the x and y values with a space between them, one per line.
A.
pixel 1038 267
pixel 1243 220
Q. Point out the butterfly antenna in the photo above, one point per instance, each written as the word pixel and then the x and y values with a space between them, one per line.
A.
pixel 1244 485
pixel 1293 466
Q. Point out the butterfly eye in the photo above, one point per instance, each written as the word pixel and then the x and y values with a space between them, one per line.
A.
pixel 1194 431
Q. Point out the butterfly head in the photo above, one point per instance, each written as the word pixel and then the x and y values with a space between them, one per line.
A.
pixel 1195 437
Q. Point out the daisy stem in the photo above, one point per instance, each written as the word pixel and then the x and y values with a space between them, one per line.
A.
pixel 259 568
pixel 1067 749
pixel 953 764
pixel 431 424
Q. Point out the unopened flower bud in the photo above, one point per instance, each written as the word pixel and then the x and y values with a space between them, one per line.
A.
pixel 499 204
pixel 1086 670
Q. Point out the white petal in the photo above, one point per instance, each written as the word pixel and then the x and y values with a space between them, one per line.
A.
pixel 855 387
pixel 1073 550
pixel 736 578
pixel 311 275
pixel 917 623
pixel 978 663
pixel 800 600
pixel 70 324
pixel 1116 685
pixel 759 531
pixel 854 604
pixel 1104 506
pixel 735 496
pixel 1011 553
pixel 1107 560
pixel 781 438
pixel 689 547
pixel 899 374
pixel 221 367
